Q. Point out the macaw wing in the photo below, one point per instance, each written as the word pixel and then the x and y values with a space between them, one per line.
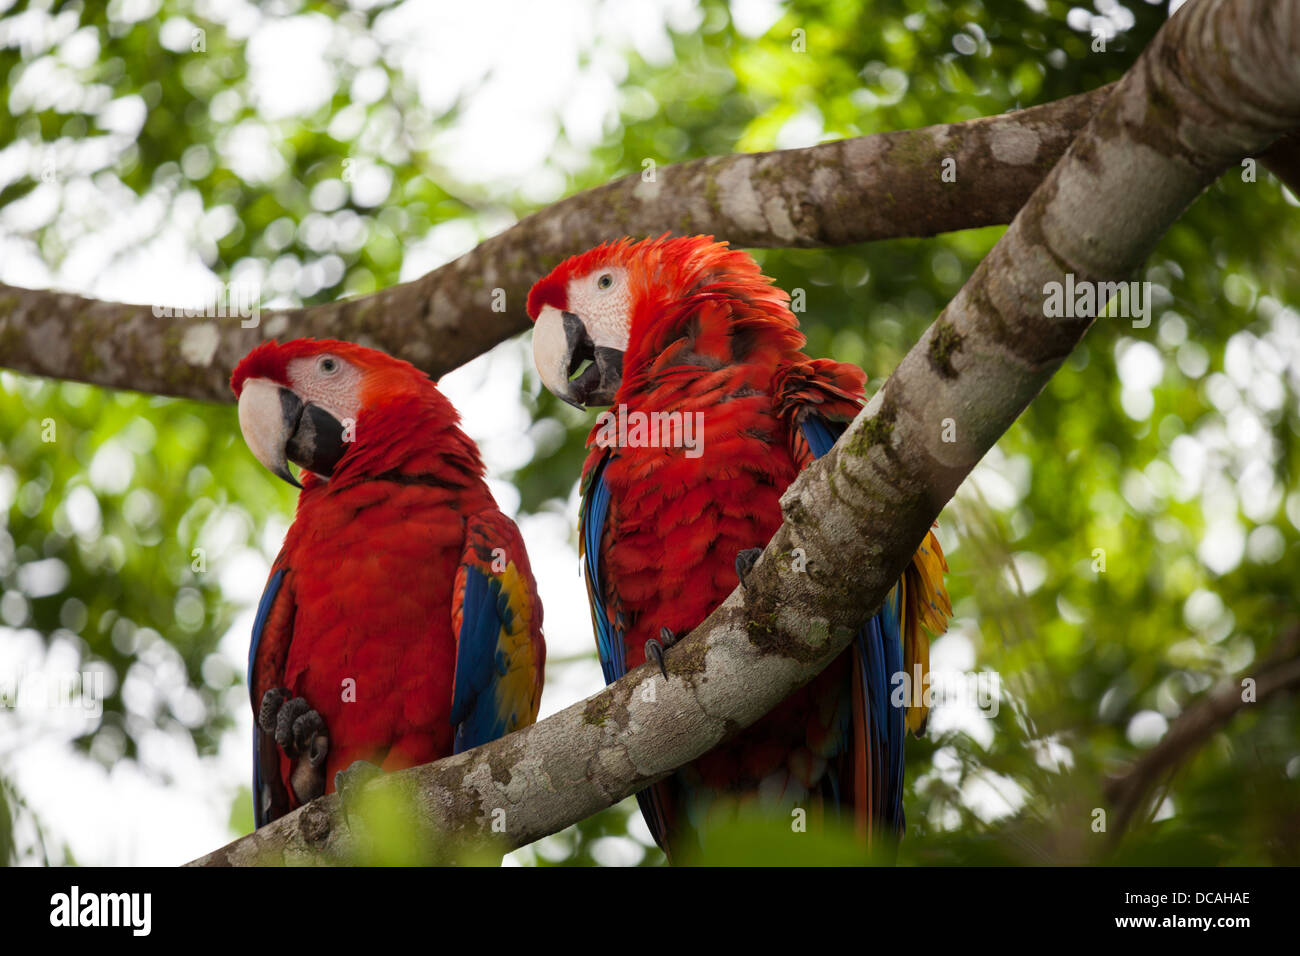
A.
pixel 604 614
pixel 607 620
pixel 267 652
pixel 820 434
pixel 892 642
pixel 497 619
pixel 923 604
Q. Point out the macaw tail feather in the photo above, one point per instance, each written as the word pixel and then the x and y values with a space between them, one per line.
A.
pixel 926 610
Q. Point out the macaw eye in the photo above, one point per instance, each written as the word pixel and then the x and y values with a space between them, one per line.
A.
pixel 328 364
pixel 605 281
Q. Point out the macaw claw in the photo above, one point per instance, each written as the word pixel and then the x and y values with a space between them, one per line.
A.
pixel 745 561
pixel 349 782
pixel 655 648
pixel 300 732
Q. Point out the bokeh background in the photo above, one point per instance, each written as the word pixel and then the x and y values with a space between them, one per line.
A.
pixel 150 149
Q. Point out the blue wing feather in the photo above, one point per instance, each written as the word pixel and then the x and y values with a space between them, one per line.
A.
pixel 259 625
pixel 609 637
pixel 476 712
pixel 881 646
pixel 820 435
pixel 609 642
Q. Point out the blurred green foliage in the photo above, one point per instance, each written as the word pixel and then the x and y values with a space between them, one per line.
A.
pixel 1131 542
pixel 382 813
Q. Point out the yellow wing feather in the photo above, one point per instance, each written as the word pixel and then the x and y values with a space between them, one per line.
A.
pixel 926 608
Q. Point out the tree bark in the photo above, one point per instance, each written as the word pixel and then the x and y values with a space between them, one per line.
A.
pixel 1219 82
pixel 881 186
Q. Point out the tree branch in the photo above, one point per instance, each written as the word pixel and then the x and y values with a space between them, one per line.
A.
pixel 1220 81
pixel 881 186
pixel 1130 793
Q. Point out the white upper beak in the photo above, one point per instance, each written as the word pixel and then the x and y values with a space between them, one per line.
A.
pixel 551 352
pixel 572 366
pixel 264 419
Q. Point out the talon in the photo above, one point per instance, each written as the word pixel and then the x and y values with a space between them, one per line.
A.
pixel 300 732
pixel 745 561
pixel 293 708
pixel 272 700
pixel 655 651
pixel 655 648
pixel 349 783
pixel 318 750
pixel 306 728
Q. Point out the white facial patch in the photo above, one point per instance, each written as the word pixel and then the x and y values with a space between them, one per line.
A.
pixel 336 388
pixel 604 303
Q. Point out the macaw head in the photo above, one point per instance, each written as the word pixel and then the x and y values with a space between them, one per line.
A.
pixel 299 401
pixel 603 315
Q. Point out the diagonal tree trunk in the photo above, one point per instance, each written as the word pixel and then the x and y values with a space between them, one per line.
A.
pixel 1219 82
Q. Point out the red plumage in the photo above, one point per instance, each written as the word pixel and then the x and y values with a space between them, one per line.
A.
pixel 366 619
pixel 709 333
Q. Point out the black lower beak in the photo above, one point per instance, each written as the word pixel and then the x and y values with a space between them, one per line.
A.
pixel 316 440
pixel 595 371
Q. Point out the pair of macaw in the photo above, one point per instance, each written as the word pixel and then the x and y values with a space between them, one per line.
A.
pixel 401 621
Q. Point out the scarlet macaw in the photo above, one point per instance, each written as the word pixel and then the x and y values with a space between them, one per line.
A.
pixel 690 326
pixel 401 621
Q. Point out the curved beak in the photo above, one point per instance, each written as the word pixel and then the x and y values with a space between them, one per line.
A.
pixel 573 367
pixel 279 428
